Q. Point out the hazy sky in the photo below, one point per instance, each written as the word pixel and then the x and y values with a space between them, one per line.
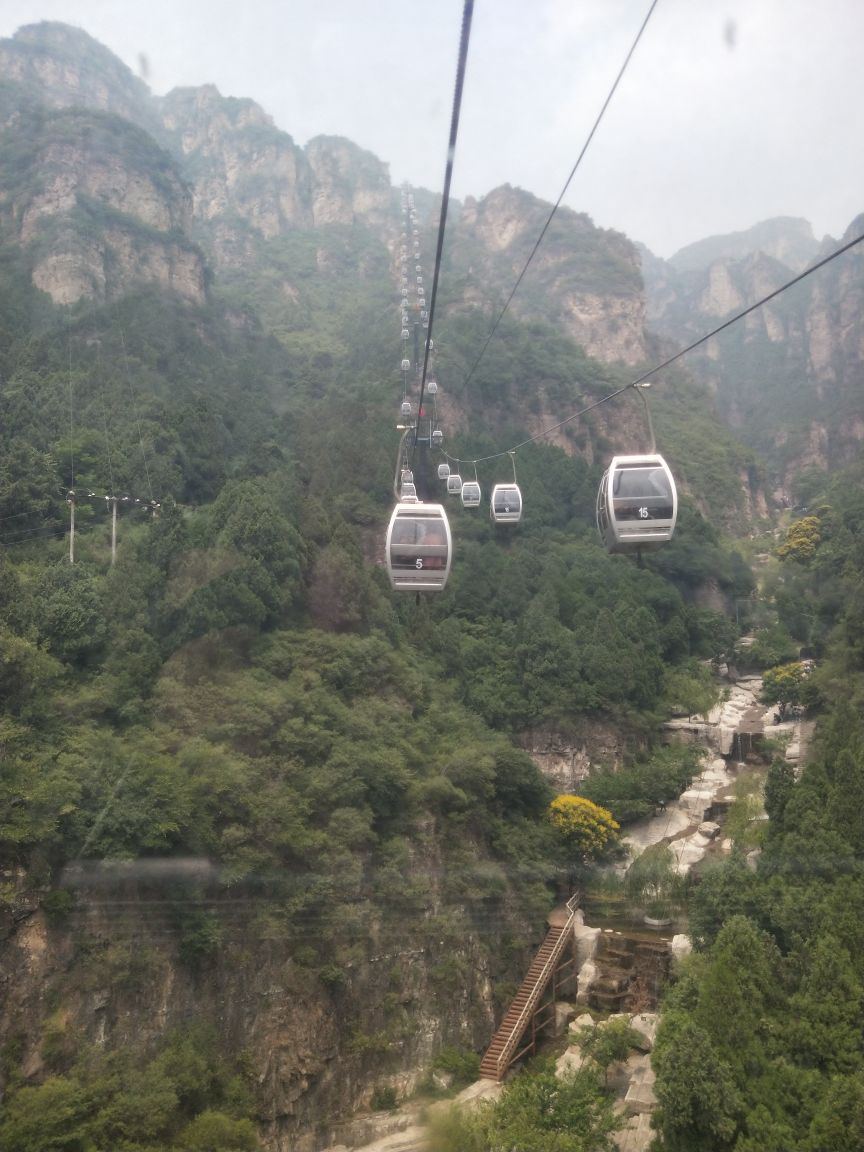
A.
pixel 732 111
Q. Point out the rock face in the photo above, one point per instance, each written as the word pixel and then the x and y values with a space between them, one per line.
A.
pixel 566 761
pixel 237 160
pixel 100 208
pixel 317 1054
pixel 585 279
pixel 57 66
pixel 248 187
pixel 787 378
pixel 786 238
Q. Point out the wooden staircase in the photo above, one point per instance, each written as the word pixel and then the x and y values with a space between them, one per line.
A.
pixel 503 1049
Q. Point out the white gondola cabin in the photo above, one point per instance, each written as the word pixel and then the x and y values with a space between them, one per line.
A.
pixel 432 388
pixel 637 504
pixel 418 548
pixel 437 441
pixel 443 469
pixel 406 365
pixel 408 492
pixel 405 409
pixel 505 506
pixel 454 484
pixel 470 494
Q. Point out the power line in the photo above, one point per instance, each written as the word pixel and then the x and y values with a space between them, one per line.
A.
pixel 71 418
pixel 16 533
pixel 557 203
pixel 467 14
pixel 135 410
pixel 671 360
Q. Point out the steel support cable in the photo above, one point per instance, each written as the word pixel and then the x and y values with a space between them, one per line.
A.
pixel 400 463
pixel 672 359
pixel 467 14
pixel 557 203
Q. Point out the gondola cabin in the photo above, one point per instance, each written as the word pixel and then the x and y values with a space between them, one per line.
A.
pixel 408 493
pixel 454 484
pixel 419 547
pixel 505 507
pixel 443 469
pixel 470 494
pixel 637 504
pixel 438 440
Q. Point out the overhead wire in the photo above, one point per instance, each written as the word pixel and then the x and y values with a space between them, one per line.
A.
pixel 563 192
pixel 104 413
pixel 135 410
pixel 462 63
pixel 71 418
pixel 669 361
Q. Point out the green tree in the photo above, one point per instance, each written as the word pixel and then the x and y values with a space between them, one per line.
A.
pixel 537 1112
pixel 606 1044
pixel 698 1103
pixel 779 783
pixel 70 616
pixel 652 882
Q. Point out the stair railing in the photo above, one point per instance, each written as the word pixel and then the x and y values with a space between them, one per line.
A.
pixel 540 983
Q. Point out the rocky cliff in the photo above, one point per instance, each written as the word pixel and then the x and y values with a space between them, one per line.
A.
pixel 57 66
pixel 97 207
pixel 787 379
pixel 117 966
pixel 248 186
pixel 584 279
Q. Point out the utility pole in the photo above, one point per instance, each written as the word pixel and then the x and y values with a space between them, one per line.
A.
pixel 70 500
pixel 113 501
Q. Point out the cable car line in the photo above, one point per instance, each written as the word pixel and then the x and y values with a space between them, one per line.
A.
pixel 467 13
pixel 419 545
pixel 671 360
pixel 563 192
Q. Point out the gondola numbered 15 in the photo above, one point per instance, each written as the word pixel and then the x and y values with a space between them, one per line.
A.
pixel 637 503
pixel 419 547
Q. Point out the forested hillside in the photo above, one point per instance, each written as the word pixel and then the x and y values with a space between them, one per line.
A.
pixel 269 837
pixel 761 1042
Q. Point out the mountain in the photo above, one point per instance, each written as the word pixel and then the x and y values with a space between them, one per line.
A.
pixel 788 239
pixel 786 379
pixel 270 837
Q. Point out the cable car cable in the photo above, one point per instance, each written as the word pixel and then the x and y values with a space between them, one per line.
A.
pixel 467 13
pixel 672 359
pixel 641 389
pixel 557 203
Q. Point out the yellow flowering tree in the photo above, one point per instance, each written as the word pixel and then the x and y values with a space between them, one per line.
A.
pixel 586 827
